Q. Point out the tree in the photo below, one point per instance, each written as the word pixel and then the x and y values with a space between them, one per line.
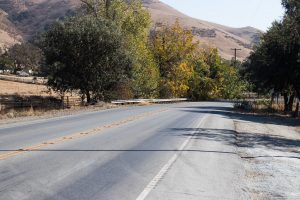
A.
pixel 291 41
pixel 5 61
pixel 24 56
pixel 267 66
pixel 173 48
pixel 134 22
pixel 275 65
pixel 86 54
pixel 214 79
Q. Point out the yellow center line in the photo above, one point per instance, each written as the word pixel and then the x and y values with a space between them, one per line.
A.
pixel 78 135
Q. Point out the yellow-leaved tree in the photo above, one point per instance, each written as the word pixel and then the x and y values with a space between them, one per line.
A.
pixel 173 48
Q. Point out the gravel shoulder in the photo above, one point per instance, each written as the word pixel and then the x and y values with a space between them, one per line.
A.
pixel 270 148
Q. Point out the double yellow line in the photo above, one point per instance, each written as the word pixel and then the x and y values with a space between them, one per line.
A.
pixel 78 135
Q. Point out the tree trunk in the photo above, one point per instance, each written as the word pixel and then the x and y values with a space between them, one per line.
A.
pixel 297 106
pixel 82 99
pixel 296 114
pixel 272 100
pixel 291 102
pixel 88 97
pixel 286 101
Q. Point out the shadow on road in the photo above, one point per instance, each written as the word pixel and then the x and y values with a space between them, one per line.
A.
pixel 230 112
pixel 227 137
pixel 249 140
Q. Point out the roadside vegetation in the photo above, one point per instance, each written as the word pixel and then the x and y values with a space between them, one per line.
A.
pixel 110 50
pixel 274 65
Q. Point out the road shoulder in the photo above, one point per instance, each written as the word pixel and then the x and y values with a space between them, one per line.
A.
pixel 270 150
pixel 208 168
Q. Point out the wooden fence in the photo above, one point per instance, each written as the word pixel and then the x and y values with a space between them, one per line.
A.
pixel 37 102
pixel 71 101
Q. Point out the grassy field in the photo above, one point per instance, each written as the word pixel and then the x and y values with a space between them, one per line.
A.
pixel 24 89
pixel 24 99
pixel 27 89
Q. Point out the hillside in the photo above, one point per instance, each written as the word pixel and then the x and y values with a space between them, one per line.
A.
pixel 9 34
pixel 222 37
pixel 27 18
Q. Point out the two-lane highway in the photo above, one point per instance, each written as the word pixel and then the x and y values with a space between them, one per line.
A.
pixel 112 154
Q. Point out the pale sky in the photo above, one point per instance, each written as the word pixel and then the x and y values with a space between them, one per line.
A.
pixel 234 13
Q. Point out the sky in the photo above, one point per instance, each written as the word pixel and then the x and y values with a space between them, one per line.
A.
pixel 234 13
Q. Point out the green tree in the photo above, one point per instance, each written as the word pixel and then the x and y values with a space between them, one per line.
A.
pixel 291 40
pixel 275 64
pixel 86 54
pixel 24 56
pixel 214 79
pixel 5 61
pixel 134 22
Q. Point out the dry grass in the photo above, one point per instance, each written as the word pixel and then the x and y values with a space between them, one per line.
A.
pixel 23 89
pixel 32 114
pixel 144 103
pixel 26 113
pixel 26 89
pixel 262 107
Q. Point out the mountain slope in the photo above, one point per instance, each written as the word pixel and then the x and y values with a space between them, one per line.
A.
pixel 222 37
pixel 30 17
pixel 9 34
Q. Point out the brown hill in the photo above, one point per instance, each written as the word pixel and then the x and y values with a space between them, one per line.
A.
pixel 9 34
pixel 29 17
pixel 222 37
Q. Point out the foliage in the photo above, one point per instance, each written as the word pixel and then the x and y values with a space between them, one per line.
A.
pixel 86 54
pixel 173 48
pixel 22 56
pixel 134 23
pixel 275 63
pixel 107 51
pixel 5 61
pixel 213 79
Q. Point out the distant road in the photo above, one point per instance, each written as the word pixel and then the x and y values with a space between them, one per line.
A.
pixel 139 152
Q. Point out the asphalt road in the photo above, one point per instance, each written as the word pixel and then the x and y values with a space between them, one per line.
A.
pixel 115 154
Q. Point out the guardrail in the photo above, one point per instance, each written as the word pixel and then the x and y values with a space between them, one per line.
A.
pixel 155 101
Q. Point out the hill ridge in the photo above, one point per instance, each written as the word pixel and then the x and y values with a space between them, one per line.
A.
pixel 25 18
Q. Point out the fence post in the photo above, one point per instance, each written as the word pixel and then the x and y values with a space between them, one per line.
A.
pixel 62 102
pixel 68 102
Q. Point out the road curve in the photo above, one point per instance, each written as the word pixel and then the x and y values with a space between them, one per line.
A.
pixel 112 154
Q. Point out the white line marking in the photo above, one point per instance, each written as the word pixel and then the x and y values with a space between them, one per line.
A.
pixel 153 183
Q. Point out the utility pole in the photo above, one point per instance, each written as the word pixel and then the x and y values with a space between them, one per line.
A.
pixel 235 54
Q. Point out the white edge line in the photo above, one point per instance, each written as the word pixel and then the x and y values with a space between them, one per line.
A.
pixel 153 183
